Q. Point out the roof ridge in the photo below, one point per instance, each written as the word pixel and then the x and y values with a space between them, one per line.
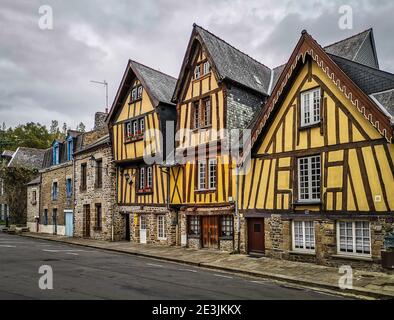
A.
pixel 217 37
pixel 363 65
pixel 350 37
pixel 158 71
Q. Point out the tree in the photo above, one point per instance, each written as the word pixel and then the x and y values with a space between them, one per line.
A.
pixel 32 135
pixel 64 129
pixel 54 129
pixel 81 127
pixel 15 180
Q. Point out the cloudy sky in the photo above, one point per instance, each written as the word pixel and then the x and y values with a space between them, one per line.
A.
pixel 45 74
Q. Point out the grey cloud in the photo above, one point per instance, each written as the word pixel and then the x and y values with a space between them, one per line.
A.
pixel 45 75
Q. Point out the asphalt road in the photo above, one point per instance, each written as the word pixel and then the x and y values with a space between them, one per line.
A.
pixel 85 273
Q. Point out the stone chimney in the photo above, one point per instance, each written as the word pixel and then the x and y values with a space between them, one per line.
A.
pixel 99 120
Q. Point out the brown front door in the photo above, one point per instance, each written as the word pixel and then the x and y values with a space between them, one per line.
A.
pixel 210 232
pixel 87 221
pixel 256 235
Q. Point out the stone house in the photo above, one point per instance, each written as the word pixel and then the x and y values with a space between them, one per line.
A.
pixel 96 214
pixel 30 160
pixel 5 157
pixel 56 200
pixel 321 175
pixel 33 204
pixel 141 108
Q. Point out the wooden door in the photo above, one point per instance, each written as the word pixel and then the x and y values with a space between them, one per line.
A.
pixel 87 221
pixel 127 225
pixel 256 235
pixel 210 232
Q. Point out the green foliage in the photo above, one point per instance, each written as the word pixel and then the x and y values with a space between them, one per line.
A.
pixel 32 135
pixel 15 180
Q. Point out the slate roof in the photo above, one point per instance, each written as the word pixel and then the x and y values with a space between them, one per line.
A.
pixel 277 72
pixel 7 154
pixel 386 100
pixel 29 158
pixel 355 48
pixel 160 85
pixel 35 181
pixel 99 142
pixel 232 64
pixel 368 79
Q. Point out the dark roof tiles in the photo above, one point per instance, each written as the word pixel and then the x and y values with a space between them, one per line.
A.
pixel 28 158
pixel 232 64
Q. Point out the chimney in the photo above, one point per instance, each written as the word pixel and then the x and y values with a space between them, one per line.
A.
pixel 99 119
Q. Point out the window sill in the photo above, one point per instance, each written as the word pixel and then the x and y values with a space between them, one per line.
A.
pixel 305 253
pixel 193 236
pixel 131 140
pixel 162 239
pixel 352 257
pixel 226 238
pixel 205 76
pixel 134 101
pixel 307 203
pixel 142 192
pixel 202 128
pixel 309 126
pixel 205 191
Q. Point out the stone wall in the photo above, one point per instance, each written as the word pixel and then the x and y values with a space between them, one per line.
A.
pixel 59 174
pixel 105 196
pixel 33 206
pixel 278 242
pixel 151 213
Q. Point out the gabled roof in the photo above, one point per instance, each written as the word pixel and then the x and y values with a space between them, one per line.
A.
pixel 368 79
pixel 34 181
pixel 229 63
pixel 308 47
pixel 28 158
pixel 7 154
pixel 359 48
pixel 158 85
pixel 102 141
pixel 385 100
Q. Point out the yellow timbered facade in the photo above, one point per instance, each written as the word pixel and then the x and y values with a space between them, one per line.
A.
pixel 211 98
pixel 141 110
pixel 320 182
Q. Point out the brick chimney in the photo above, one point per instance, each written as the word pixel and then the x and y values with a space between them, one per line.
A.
pixel 99 119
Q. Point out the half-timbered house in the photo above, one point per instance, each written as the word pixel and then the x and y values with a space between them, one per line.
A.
pixel 219 88
pixel 141 106
pixel 320 182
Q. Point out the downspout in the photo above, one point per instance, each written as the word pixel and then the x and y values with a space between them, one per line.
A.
pixel 236 208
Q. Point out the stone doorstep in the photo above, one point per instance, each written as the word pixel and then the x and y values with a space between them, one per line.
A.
pixel 370 290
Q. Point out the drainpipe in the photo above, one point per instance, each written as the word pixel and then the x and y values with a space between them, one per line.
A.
pixel 236 208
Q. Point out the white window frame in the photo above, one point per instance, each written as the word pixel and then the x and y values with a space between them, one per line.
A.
pixel 149 177
pixel 354 253
pixel 142 179
pixel 310 177
pixel 202 175
pixel 293 229
pixel 1 187
pixel 142 125
pixel 139 92
pixel 197 75
pixel 207 112
pixel 212 172
pixel 135 126
pixel 206 67
pixel 133 94
pixel 312 107
pixel 161 227
pixel 129 129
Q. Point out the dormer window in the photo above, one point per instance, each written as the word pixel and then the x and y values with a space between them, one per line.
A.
pixel 70 147
pixel 310 107
pixel 56 152
pixel 136 93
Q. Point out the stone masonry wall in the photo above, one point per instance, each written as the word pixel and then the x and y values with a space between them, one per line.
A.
pixel 106 196
pixel 33 207
pixel 59 174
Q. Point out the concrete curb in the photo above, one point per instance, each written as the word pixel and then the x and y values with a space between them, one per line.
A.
pixel 265 275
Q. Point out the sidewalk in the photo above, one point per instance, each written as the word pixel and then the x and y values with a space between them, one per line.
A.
pixel 367 284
